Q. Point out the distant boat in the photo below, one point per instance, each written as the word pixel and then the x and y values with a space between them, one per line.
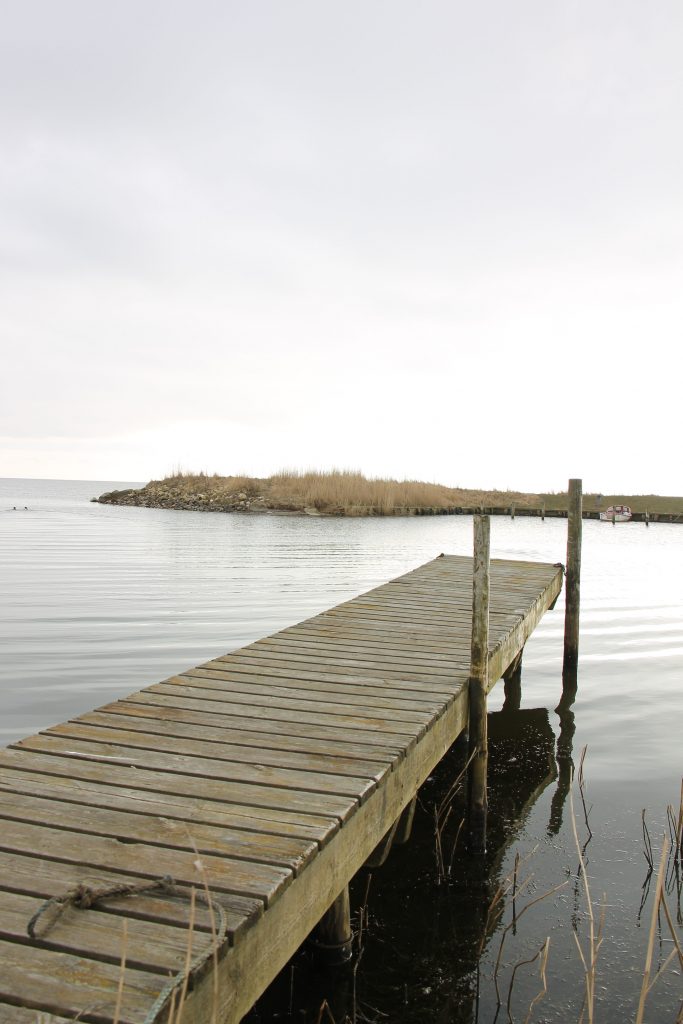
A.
pixel 616 514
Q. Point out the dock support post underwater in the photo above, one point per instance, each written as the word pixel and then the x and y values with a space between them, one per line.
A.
pixel 572 588
pixel 405 823
pixel 332 938
pixel 512 682
pixel 478 687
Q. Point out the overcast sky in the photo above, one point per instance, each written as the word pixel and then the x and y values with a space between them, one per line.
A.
pixel 434 240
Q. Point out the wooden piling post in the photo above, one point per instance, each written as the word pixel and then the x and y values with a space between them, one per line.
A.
pixel 478 686
pixel 405 824
pixel 572 587
pixel 332 938
pixel 543 512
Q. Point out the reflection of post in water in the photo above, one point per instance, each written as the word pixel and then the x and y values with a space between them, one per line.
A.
pixel 522 765
pixel 565 761
pixel 512 682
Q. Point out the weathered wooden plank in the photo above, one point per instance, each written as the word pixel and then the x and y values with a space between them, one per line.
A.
pixel 385 627
pixel 94 934
pixel 375 729
pixel 117 822
pixel 328 714
pixel 337 675
pixel 336 643
pixel 291 780
pixel 242 878
pixel 247 683
pixel 43 878
pixel 175 806
pixel 259 801
pixel 22 1015
pixel 175 722
pixel 74 986
pixel 312 655
pixel 196 744
pixel 420 616
pixel 365 636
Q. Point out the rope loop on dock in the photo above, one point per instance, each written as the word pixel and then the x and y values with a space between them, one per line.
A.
pixel 84 896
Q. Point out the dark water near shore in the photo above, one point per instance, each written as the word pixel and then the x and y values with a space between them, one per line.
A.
pixel 97 601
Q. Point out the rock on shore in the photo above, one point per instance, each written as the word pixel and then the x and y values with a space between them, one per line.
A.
pixel 163 494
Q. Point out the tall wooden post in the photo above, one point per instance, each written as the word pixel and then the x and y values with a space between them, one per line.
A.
pixel 478 686
pixel 572 588
pixel 332 938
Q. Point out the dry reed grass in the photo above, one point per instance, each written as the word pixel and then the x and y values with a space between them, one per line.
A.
pixel 442 814
pixel 345 491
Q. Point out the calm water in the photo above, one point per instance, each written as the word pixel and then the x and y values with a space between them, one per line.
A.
pixel 98 601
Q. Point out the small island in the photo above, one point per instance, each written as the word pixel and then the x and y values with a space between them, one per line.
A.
pixel 350 493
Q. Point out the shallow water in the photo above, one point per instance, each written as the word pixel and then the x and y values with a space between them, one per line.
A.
pixel 98 601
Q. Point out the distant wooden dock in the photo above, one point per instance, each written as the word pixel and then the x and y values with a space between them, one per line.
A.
pixel 271 774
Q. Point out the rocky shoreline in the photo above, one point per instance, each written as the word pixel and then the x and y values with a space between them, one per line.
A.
pixel 159 497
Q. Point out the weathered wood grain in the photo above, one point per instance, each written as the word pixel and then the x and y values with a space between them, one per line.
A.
pixel 22 1015
pixel 242 878
pixel 68 984
pixel 94 934
pixel 315 818
pixel 156 830
pixel 196 744
pixel 45 878
pixel 176 722
pixel 293 780
pixel 174 806
pixel 478 687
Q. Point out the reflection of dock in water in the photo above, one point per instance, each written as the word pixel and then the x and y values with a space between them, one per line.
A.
pixel 523 766
pixel 522 755
pixel 417 924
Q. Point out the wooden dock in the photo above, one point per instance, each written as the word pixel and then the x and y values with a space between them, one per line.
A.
pixel 271 774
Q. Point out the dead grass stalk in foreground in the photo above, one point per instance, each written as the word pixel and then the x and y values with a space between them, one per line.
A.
pixel 588 955
pixel 658 903
pixel 442 813
pixel 122 971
